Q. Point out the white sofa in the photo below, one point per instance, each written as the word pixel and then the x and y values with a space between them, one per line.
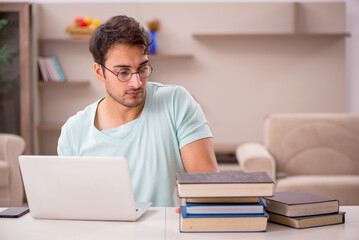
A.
pixel 11 187
pixel 317 153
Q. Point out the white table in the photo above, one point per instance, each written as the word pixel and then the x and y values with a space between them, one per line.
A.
pixel 150 226
pixel 162 223
pixel 347 231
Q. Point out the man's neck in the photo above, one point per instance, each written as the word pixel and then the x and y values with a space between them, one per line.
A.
pixel 110 114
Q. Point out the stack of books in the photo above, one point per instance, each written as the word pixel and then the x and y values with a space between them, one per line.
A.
pixel 300 209
pixel 223 202
pixel 50 69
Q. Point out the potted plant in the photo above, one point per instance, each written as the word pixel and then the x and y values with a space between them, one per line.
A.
pixel 7 54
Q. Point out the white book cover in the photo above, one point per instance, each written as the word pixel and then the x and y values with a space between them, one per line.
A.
pixel 53 73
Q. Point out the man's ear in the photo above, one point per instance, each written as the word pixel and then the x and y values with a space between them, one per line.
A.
pixel 98 72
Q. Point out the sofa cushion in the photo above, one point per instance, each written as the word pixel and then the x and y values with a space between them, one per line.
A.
pixel 313 144
pixel 345 188
pixel 4 174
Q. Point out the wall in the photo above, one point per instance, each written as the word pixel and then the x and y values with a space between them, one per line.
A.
pixel 353 56
pixel 238 81
pixel 352 6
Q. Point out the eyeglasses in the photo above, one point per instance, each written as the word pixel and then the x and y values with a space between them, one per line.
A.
pixel 125 74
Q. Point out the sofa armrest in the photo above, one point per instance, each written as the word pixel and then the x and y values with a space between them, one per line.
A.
pixel 254 157
pixel 11 147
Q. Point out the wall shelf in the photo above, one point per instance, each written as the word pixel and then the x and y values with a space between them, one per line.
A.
pixel 170 56
pixel 65 84
pixel 304 20
pixel 47 127
pixel 63 40
pixel 86 41
pixel 244 35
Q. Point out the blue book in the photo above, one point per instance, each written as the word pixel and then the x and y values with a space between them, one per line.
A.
pixel 224 208
pixel 58 69
pixel 222 222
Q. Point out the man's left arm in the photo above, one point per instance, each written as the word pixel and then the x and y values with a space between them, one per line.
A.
pixel 198 156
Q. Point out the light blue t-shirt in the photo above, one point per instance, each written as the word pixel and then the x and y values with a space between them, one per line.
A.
pixel 170 119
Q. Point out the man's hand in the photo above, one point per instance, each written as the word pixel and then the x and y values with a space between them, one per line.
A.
pixel 177 210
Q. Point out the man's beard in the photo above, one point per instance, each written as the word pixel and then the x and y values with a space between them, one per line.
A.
pixel 128 103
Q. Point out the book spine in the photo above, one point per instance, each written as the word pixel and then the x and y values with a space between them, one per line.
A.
pixel 52 71
pixel 182 216
pixel 205 204
pixel 58 69
pixel 43 70
pixel 48 70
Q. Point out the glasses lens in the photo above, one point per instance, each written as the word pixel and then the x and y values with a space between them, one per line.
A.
pixel 145 71
pixel 124 75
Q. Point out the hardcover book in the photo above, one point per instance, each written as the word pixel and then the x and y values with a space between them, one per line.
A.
pixel 223 200
pixel 298 203
pixel 54 77
pixel 43 69
pixel 224 208
pixel 58 69
pixel 308 221
pixel 224 184
pixel 222 222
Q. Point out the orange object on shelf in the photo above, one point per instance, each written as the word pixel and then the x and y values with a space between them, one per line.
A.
pixel 83 27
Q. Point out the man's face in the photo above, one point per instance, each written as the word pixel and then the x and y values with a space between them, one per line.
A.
pixel 120 58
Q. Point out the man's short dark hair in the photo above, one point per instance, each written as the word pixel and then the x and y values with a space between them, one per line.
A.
pixel 118 29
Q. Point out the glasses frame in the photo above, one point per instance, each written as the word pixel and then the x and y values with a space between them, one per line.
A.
pixel 130 72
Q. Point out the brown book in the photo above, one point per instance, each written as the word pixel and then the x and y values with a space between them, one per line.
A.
pixel 224 184
pixel 308 221
pixel 298 203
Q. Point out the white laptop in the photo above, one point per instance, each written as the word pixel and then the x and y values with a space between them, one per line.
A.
pixel 82 188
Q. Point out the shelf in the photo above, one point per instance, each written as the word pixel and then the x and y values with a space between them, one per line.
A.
pixel 49 127
pixel 301 18
pixel 63 40
pixel 86 41
pixel 221 35
pixel 68 83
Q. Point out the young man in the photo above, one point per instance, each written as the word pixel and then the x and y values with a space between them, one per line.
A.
pixel 160 129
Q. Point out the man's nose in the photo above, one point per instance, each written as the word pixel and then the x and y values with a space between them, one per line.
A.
pixel 135 81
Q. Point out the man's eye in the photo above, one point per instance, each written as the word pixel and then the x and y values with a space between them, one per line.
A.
pixel 124 73
pixel 144 69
